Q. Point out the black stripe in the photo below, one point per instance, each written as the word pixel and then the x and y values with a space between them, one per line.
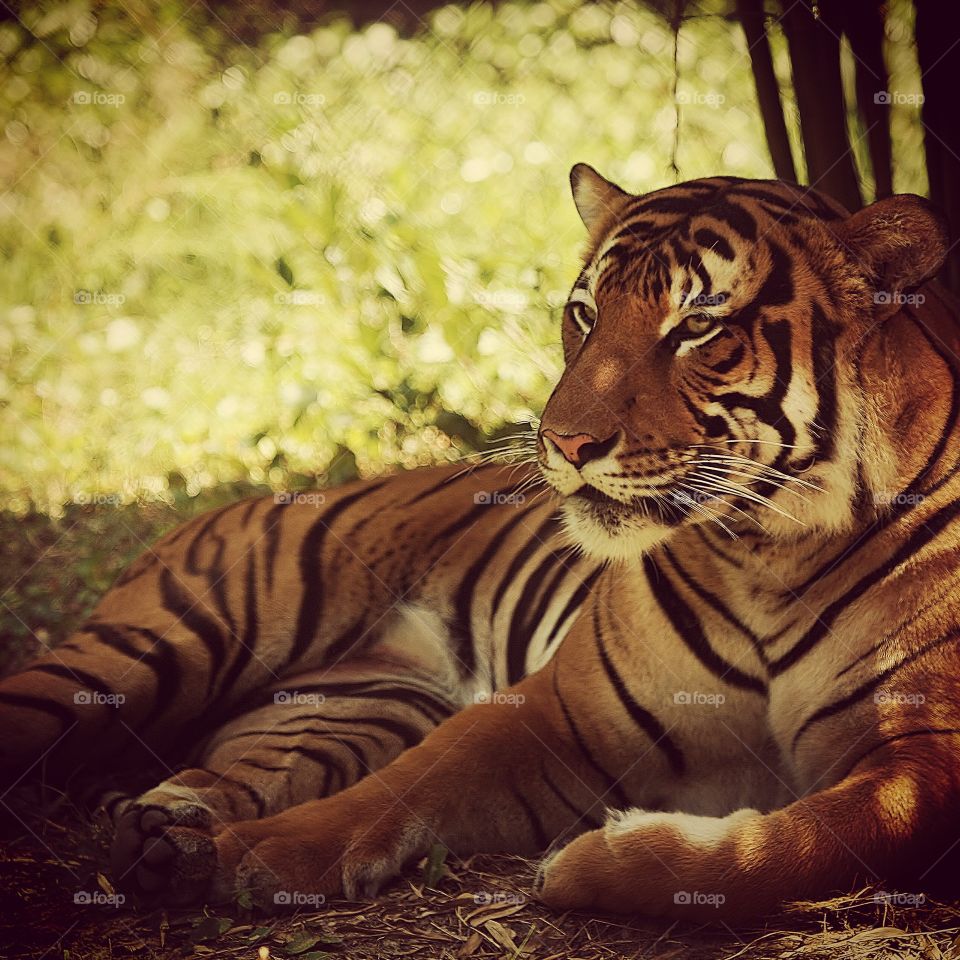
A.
pixel 347 642
pixel 244 646
pixel 565 801
pixel 249 791
pixel 905 503
pixel 574 604
pixel 63 715
pixel 642 717
pixel 838 706
pixel 824 334
pixel 75 674
pixel 713 601
pixel 712 240
pixel 312 572
pixel 441 484
pixel 917 540
pixel 248 513
pixel 322 758
pixel 461 627
pixel 737 218
pixel 715 550
pixel 910 734
pixel 191 563
pixel 689 629
pixel 161 659
pixel 271 535
pixel 539 538
pixel 186 610
pixel 541 839
pixel 611 784
pixel 725 366
pixel 257 765
pixel 521 626
pixel 479 510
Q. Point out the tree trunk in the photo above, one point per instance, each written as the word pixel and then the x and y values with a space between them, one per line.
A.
pixel 862 22
pixel 939 55
pixel 815 58
pixel 753 21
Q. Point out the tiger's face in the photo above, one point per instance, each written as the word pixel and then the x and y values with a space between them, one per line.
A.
pixel 710 345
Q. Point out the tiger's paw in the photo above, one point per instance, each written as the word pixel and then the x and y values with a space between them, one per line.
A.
pixel 299 860
pixel 164 850
pixel 566 879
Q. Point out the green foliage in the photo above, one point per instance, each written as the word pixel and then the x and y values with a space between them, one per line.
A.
pixel 327 254
pixel 237 263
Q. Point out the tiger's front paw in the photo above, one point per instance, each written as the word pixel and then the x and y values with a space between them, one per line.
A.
pixel 673 865
pixel 315 851
pixel 568 879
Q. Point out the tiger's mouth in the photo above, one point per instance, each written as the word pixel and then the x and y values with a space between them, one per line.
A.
pixel 609 512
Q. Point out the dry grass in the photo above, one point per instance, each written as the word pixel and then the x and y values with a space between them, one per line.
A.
pixel 478 909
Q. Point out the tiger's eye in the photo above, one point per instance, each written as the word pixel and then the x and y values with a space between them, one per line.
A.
pixel 698 325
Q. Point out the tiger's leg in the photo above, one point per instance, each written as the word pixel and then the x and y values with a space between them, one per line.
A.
pixel 892 819
pixel 512 775
pixel 310 737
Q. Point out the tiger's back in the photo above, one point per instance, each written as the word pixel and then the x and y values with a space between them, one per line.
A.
pixel 454 575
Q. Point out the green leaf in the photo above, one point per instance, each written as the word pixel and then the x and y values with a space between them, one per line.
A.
pixel 209 928
pixel 302 942
pixel 433 869
pixel 283 268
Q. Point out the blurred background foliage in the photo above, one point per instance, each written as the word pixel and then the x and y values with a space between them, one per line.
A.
pixel 236 263
pixel 341 249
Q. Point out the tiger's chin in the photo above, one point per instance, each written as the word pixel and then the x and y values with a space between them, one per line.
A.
pixel 612 531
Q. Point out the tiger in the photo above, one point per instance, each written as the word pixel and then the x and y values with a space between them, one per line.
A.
pixel 699 656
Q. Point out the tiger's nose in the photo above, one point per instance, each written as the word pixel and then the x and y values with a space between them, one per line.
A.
pixel 580 448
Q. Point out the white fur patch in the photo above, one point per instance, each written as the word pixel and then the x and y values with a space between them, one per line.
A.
pixel 420 636
pixel 705 833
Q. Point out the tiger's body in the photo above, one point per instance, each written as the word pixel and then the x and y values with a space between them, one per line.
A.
pixel 726 640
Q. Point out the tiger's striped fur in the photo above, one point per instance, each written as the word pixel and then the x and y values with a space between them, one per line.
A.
pixel 725 645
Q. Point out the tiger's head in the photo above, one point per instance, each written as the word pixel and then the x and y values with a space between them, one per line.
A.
pixel 711 346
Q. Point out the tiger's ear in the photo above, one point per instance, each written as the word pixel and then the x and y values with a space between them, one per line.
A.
pixel 598 200
pixel 899 242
